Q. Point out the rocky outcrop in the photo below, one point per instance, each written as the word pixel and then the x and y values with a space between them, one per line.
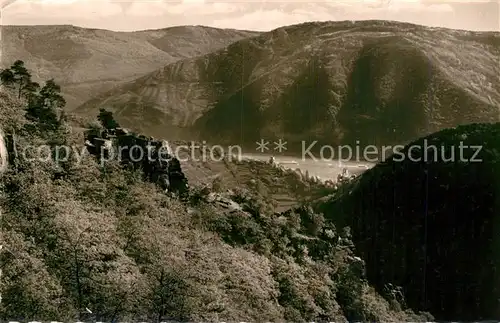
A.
pixel 137 151
pixel 432 226
pixel 8 151
pixel 4 155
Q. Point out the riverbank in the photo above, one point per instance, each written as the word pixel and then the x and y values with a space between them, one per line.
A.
pixel 324 169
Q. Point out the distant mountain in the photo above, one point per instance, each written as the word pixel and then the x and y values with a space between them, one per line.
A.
pixel 432 226
pixel 87 62
pixel 377 82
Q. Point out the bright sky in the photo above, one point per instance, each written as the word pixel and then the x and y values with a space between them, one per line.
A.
pixel 260 15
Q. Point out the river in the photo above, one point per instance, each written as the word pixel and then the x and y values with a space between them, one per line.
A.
pixel 324 169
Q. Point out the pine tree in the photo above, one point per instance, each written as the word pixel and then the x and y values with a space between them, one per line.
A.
pixel 22 77
pixel 7 77
pixel 31 92
pixel 46 107
pixel 51 96
pixel 107 120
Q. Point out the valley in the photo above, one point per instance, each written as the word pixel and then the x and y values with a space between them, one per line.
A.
pixel 325 170
pixel 268 236
pixel 376 82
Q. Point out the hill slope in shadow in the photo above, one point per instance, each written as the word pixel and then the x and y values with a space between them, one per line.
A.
pixel 431 226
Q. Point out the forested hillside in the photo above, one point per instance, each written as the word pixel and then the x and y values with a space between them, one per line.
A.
pixel 96 242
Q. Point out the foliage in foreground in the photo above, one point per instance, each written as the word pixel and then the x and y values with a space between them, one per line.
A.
pixel 79 237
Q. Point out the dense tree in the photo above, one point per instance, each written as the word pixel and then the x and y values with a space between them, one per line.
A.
pixel 44 104
pixel 102 244
pixel 51 97
pixel 45 108
pixel 107 120
pixel 30 91
pixel 18 77
pixel 21 76
pixel 7 77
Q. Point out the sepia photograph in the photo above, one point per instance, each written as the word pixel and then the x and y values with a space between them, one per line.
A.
pixel 249 161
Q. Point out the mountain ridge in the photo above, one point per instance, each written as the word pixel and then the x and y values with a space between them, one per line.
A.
pixel 261 80
pixel 88 61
